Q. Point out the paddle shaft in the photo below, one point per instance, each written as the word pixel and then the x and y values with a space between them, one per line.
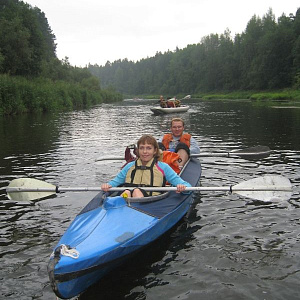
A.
pixel 153 189
pixel 263 188
pixel 253 152
pixel 203 154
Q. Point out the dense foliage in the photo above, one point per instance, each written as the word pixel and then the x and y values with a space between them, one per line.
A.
pixel 32 78
pixel 265 56
pixel 19 95
pixel 26 40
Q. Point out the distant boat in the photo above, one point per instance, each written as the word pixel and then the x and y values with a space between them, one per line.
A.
pixel 169 110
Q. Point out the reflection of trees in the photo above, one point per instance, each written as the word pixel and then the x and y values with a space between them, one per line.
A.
pixel 27 140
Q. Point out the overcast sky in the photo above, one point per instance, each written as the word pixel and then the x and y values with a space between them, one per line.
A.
pixel 95 31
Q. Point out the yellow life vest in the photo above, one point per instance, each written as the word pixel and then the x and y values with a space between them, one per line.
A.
pixel 148 176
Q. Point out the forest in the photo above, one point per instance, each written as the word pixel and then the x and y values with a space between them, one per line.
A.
pixel 32 78
pixel 264 57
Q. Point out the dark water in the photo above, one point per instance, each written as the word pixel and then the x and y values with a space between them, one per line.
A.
pixel 227 247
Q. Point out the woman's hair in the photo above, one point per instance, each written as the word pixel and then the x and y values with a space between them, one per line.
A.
pixel 149 139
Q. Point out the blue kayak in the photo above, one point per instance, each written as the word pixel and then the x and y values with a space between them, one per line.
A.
pixel 109 230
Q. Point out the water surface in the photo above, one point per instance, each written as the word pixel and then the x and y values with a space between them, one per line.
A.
pixel 227 247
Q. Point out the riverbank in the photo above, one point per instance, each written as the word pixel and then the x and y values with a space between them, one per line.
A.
pixel 286 97
pixel 21 95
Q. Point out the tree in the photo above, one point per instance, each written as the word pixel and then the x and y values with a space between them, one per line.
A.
pixel 15 47
pixel 26 39
pixel 264 56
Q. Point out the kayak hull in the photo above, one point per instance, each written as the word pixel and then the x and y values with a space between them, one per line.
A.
pixel 171 110
pixel 108 231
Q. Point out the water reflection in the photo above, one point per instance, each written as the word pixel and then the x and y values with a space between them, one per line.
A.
pixel 226 247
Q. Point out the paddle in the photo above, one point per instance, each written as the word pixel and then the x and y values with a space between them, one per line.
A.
pixel 184 98
pixel 265 188
pixel 248 153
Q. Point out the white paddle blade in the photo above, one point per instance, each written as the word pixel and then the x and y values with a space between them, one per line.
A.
pixel 16 190
pixel 110 158
pixel 256 152
pixel 266 188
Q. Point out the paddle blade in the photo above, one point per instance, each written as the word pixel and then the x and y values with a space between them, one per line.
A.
pixel 26 189
pixel 110 158
pixel 266 188
pixel 256 152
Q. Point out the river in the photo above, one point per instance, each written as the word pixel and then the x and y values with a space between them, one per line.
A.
pixel 227 246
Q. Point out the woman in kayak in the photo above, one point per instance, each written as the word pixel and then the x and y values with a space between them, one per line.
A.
pixel 146 171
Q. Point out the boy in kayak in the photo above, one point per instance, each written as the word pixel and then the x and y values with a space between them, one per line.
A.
pixel 146 171
pixel 178 141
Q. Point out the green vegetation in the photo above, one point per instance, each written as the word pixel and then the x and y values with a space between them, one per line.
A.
pixel 277 96
pixel 287 94
pixel 32 78
pixel 263 62
pixel 20 95
pixel 265 57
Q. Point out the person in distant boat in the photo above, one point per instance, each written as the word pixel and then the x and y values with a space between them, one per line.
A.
pixel 162 102
pixel 170 103
pixel 178 141
pixel 146 171
pixel 177 103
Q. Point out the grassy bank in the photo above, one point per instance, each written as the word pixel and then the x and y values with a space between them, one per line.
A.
pixel 20 95
pixel 284 96
pixel 292 96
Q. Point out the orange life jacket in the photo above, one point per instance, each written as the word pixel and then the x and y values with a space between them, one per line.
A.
pixel 171 158
pixel 170 103
pixel 185 138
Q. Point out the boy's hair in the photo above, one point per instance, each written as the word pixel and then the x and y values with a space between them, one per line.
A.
pixel 177 120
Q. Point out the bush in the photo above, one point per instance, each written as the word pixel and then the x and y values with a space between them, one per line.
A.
pixel 19 95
